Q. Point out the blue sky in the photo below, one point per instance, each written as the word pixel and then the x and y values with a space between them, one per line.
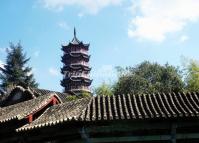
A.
pixel 120 33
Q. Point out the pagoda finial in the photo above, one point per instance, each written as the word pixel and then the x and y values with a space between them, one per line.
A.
pixel 74 32
pixel 75 40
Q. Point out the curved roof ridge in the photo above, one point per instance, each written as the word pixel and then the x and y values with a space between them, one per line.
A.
pixel 67 112
pixel 22 109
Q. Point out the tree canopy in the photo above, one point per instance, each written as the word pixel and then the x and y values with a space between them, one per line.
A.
pixel 104 89
pixel 192 75
pixel 148 78
pixel 15 70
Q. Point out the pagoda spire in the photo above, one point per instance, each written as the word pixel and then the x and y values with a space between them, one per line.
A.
pixel 74 32
pixel 75 41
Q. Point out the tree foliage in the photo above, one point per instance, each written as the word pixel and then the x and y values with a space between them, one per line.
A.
pixel 192 75
pixel 148 78
pixel 16 72
pixel 84 94
pixel 104 89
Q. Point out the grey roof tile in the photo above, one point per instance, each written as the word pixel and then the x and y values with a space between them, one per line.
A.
pixel 59 113
pixel 23 109
pixel 123 107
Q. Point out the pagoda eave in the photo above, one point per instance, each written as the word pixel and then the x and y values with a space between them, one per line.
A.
pixel 65 69
pixel 75 55
pixel 80 79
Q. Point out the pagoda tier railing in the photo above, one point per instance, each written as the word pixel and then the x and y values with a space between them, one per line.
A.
pixel 80 63
pixel 74 88
pixel 79 51
pixel 80 89
pixel 77 74
pixel 80 76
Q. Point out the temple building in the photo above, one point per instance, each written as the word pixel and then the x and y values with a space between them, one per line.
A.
pixel 42 116
pixel 76 67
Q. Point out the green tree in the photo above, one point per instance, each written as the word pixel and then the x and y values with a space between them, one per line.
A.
pixel 148 78
pixel 104 89
pixel 192 75
pixel 84 94
pixel 15 70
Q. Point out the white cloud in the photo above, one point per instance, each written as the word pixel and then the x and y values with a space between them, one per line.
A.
pixel 88 6
pixel 63 25
pixel 80 15
pixel 184 38
pixel 36 53
pixel 155 19
pixel 53 71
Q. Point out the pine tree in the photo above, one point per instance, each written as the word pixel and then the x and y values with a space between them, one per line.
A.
pixel 15 70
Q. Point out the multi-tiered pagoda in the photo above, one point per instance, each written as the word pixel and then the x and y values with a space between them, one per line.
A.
pixel 76 68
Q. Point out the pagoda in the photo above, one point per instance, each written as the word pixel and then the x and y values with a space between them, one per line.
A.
pixel 76 68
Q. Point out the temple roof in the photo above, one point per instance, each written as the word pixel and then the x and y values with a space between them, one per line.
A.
pixel 23 109
pixel 41 92
pixel 157 106
pixel 34 92
pixel 59 113
pixel 123 107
